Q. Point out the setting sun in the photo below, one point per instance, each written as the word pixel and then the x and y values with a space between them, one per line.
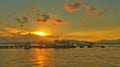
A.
pixel 40 33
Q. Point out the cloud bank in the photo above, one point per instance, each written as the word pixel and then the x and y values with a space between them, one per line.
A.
pixel 77 5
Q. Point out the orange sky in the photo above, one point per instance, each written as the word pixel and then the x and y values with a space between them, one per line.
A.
pixel 70 19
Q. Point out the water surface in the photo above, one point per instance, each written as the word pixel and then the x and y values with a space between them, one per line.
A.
pixel 73 57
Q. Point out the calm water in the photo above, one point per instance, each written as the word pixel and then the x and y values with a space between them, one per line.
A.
pixel 74 57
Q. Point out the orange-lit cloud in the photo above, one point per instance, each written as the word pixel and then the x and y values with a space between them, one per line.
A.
pixel 48 19
pixel 43 18
pixel 12 31
pixel 98 13
pixel 89 9
pixel 92 10
pixel 75 6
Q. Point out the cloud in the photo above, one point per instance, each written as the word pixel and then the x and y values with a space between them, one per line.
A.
pixel 43 18
pixel 48 19
pixel 89 9
pixel 22 20
pixel 71 7
pixel 98 13
pixel 9 31
pixel 58 22
pixel 92 10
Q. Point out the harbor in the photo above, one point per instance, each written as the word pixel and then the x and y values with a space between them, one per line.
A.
pixel 56 44
pixel 29 47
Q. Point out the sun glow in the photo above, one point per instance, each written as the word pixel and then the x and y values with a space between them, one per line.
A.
pixel 40 33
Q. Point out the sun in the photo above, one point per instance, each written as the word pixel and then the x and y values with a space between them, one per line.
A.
pixel 40 33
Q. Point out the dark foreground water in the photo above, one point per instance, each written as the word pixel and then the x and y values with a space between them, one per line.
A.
pixel 74 57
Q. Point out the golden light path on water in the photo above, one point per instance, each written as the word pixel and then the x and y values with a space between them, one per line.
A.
pixel 40 58
pixel 43 58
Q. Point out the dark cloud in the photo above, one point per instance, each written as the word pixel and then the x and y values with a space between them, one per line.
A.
pixel 89 9
pixel 58 22
pixel 48 19
pixel 24 19
pixel 42 18
pixel 92 10
pixel 21 25
pixel 70 7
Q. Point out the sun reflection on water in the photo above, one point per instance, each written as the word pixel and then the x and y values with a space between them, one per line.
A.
pixel 40 58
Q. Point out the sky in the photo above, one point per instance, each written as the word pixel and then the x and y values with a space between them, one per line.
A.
pixel 70 19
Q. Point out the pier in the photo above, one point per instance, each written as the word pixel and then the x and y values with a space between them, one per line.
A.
pixel 28 47
pixel 56 44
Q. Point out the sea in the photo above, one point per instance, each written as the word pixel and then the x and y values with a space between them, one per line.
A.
pixel 61 57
